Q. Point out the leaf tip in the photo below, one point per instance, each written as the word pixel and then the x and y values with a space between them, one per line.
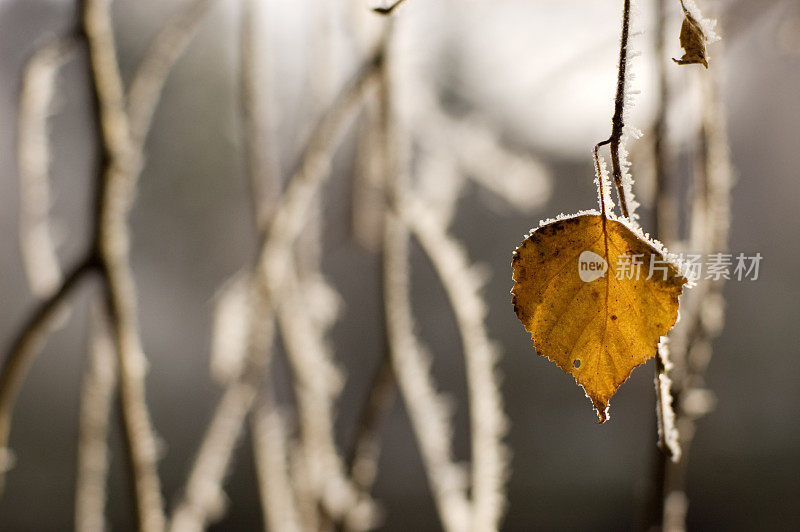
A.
pixel 603 411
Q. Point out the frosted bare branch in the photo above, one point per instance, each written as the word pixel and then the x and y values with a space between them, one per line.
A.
pixel 36 239
pixel 168 46
pixel 204 501
pixel 270 442
pixel 118 182
pixel 462 283
pixel 97 395
pixel 427 409
pixel 28 341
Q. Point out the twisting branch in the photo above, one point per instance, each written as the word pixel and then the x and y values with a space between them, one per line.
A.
pixel 275 259
pixel 427 409
pixel 108 253
pixel 116 186
pixel 618 120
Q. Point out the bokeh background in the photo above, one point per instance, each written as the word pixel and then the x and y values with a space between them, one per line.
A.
pixel 541 73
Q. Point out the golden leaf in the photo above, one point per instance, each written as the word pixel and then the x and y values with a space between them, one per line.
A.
pixel 576 292
pixel 693 41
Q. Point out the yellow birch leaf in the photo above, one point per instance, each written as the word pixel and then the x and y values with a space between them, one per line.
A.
pixel 693 42
pixel 577 292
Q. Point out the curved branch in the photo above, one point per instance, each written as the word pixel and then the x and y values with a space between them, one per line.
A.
pixel 169 44
pixel 27 343
pixel 488 424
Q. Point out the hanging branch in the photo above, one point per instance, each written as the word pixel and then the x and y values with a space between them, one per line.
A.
pixel 618 120
pixel 462 283
pixel 274 261
pixel 108 251
pixel 116 185
pixel 97 393
pixel 429 415
pixel 270 435
pixel 26 344
pixel 166 48
pixel 710 227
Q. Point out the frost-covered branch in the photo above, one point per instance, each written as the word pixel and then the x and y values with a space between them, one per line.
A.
pixel 116 185
pixel 266 290
pixel 702 309
pixel 427 409
pixel 619 162
pixel 204 501
pixel 97 396
pixel 462 283
pixel 167 47
pixel 36 239
pixel 270 437
pixel 27 342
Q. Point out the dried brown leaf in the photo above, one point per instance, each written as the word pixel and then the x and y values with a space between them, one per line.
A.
pixel 693 41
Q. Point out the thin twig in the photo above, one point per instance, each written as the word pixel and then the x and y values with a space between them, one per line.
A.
pixel 270 435
pixel 302 185
pixel 260 154
pixel 462 284
pixel 427 409
pixel 97 393
pixel 27 342
pixel 666 229
pixel 388 9
pixel 618 120
pixel 203 500
pixel 290 215
pixel 362 460
pixel 710 228
pixel 148 81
